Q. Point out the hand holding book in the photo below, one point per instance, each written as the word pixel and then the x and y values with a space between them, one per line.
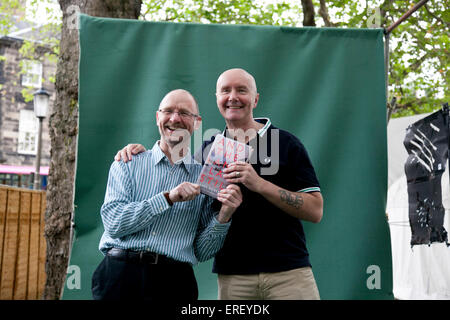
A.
pixel 242 172
pixel 183 192
pixel 231 198
pixel 224 151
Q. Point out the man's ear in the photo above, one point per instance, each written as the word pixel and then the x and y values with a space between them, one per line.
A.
pixel 197 123
pixel 256 100
pixel 157 118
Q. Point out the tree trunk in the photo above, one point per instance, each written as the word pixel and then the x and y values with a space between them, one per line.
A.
pixel 308 13
pixel 63 125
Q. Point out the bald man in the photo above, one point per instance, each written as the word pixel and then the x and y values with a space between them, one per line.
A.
pixel 157 224
pixel 264 255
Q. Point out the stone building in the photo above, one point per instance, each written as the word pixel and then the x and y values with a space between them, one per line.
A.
pixel 18 124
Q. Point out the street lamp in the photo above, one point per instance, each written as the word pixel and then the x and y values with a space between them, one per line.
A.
pixel 41 98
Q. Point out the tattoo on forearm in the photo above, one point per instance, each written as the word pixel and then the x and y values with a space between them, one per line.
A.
pixel 291 199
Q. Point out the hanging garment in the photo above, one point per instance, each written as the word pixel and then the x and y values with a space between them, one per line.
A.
pixel 427 143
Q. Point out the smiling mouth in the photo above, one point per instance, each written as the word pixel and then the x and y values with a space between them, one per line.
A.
pixel 234 107
pixel 173 129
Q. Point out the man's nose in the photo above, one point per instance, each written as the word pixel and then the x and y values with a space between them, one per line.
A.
pixel 233 96
pixel 175 116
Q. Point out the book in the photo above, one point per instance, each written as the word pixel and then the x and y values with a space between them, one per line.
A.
pixel 223 152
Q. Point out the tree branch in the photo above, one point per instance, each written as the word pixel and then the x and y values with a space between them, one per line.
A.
pixel 384 9
pixel 416 64
pixel 436 17
pixel 323 11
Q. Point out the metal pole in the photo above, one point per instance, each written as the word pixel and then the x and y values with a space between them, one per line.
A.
pixel 37 171
pixel 406 16
pixel 386 70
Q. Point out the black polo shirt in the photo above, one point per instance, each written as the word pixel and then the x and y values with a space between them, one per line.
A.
pixel 262 237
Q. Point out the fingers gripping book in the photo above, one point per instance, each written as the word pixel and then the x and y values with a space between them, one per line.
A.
pixel 223 152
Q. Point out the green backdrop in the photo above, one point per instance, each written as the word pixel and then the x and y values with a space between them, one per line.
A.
pixel 324 85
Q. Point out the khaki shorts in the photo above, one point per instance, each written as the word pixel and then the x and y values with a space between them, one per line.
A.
pixel 296 284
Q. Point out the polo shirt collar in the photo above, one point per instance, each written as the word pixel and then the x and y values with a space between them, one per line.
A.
pixel 261 132
pixel 267 124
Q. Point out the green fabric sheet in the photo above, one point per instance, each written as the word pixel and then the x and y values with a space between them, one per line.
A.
pixel 324 85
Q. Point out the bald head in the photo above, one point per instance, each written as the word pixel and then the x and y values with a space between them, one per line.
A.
pixel 238 73
pixel 180 95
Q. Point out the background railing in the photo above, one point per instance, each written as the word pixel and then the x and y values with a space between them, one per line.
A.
pixel 22 243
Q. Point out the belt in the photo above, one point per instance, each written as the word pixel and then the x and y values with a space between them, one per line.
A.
pixel 146 257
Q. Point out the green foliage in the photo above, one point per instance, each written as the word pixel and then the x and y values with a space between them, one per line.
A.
pixel 419 50
pixel 420 57
pixel 7 7
pixel 223 12
pixel 27 94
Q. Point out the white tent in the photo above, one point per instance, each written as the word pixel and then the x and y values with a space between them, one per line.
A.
pixel 420 272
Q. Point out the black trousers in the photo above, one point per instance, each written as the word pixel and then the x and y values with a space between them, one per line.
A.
pixel 116 279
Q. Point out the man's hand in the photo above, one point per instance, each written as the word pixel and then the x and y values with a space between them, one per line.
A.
pixel 242 172
pixel 129 150
pixel 184 192
pixel 231 198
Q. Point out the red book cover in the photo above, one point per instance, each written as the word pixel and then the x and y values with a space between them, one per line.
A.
pixel 223 152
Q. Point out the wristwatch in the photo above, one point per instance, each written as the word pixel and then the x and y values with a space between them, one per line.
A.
pixel 166 194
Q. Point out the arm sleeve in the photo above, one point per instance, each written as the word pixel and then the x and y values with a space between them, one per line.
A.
pixel 210 233
pixel 305 179
pixel 121 215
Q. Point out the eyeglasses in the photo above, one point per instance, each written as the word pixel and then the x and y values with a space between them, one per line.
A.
pixel 183 114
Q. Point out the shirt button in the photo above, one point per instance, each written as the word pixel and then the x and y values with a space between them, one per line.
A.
pixel 153 233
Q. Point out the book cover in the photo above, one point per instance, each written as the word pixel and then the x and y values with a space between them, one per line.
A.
pixel 223 151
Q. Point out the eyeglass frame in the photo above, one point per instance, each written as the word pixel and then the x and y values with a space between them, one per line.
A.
pixel 181 114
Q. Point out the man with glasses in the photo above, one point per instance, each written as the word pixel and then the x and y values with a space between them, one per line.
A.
pixel 264 255
pixel 157 224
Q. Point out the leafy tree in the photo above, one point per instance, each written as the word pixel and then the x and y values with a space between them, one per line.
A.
pixel 223 12
pixel 419 50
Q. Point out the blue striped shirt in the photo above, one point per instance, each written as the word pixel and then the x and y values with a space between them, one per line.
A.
pixel 136 214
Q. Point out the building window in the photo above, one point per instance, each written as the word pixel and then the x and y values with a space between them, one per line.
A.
pixel 28 124
pixel 33 74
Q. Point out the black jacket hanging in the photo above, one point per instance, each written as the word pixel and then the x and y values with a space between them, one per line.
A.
pixel 427 143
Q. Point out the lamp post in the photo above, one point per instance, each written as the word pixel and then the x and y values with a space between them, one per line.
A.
pixel 41 98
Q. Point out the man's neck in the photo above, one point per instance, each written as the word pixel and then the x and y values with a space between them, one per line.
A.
pixel 174 153
pixel 243 132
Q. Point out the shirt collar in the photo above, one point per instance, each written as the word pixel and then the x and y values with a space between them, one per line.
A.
pixel 158 155
pixel 261 132
pixel 267 124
